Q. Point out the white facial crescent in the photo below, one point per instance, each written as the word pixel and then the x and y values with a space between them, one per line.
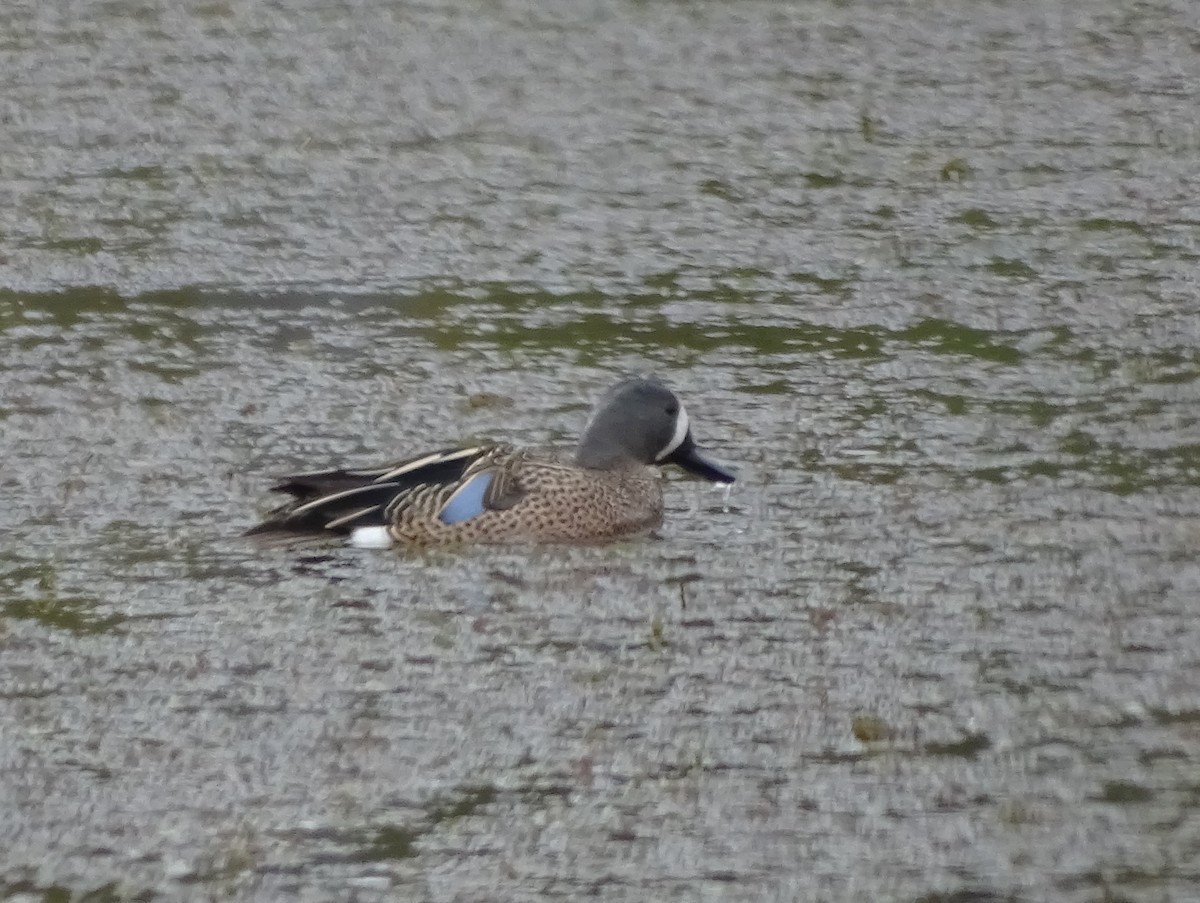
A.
pixel 682 426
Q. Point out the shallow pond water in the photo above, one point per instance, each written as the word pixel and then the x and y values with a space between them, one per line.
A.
pixel 925 276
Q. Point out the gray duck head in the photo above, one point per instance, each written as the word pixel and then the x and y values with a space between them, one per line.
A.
pixel 640 421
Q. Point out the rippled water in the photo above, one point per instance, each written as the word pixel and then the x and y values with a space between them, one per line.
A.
pixel 925 275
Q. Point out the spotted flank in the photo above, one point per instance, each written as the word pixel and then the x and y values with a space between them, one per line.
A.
pixel 501 494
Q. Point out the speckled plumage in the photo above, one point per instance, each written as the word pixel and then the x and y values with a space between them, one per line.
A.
pixel 555 503
pixel 501 494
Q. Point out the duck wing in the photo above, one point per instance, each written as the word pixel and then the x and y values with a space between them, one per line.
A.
pixel 451 485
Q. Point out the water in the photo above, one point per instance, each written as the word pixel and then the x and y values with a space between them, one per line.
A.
pixel 924 274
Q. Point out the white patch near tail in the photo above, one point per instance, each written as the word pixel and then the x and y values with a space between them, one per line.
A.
pixel 370 538
pixel 681 430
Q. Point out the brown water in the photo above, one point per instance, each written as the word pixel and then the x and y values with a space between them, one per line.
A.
pixel 925 275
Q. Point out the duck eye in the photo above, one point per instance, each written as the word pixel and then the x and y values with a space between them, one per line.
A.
pixel 672 410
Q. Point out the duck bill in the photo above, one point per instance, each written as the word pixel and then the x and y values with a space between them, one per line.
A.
pixel 687 457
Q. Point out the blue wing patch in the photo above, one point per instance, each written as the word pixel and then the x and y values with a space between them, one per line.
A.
pixel 467 502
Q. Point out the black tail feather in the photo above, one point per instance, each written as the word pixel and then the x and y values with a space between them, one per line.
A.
pixel 337 512
pixel 339 501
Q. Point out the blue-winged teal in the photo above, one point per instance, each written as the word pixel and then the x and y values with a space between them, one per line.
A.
pixel 499 494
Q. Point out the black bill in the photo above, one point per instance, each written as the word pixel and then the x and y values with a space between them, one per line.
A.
pixel 691 460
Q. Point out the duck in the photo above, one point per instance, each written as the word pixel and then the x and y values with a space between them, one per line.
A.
pixel 499 493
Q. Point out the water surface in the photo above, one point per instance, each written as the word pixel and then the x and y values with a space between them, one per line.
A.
pixel 924 275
